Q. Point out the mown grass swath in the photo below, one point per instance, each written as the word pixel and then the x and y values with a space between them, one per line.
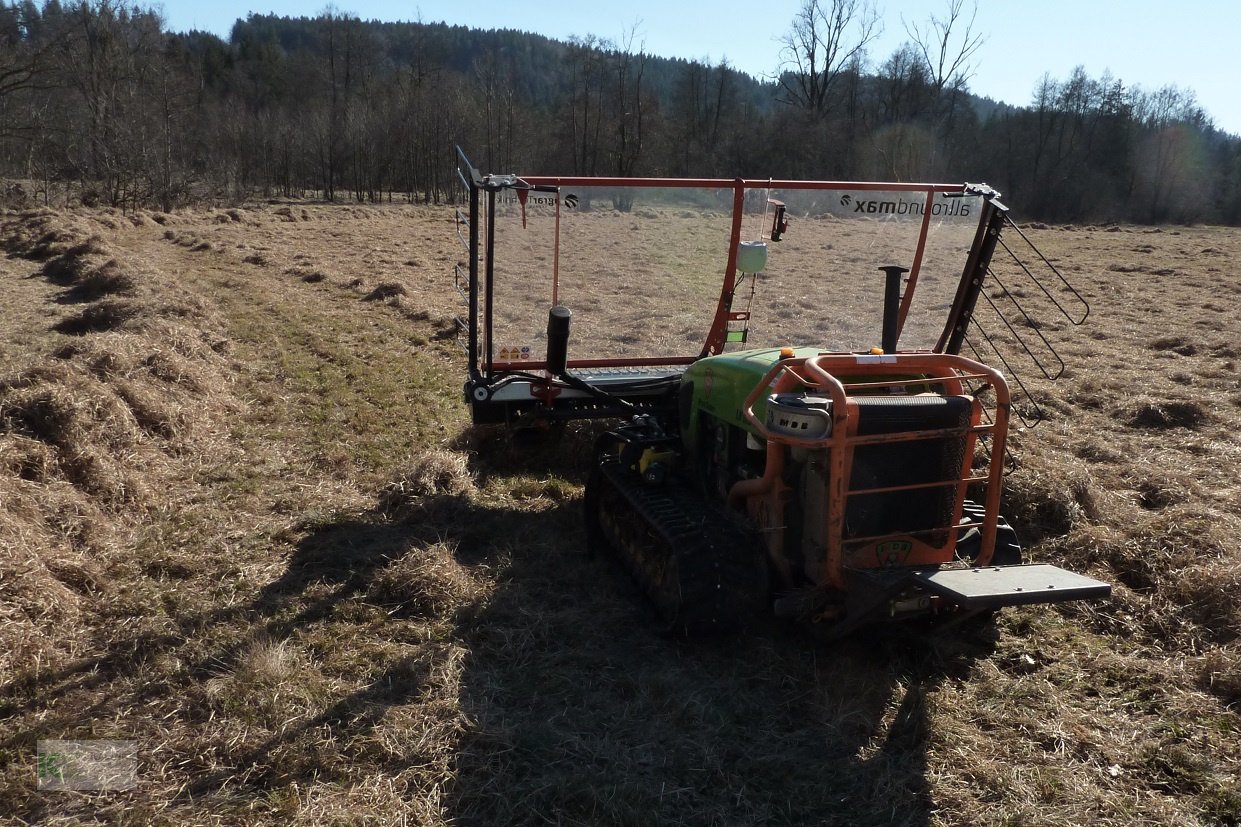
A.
pixel 248 526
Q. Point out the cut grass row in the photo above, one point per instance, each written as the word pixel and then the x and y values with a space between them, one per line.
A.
pixel 353 609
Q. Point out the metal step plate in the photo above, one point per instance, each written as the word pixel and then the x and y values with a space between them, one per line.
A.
pixel 995 586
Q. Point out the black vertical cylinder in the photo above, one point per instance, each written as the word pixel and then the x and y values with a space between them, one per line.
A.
pixel 891 306
pixel 558 340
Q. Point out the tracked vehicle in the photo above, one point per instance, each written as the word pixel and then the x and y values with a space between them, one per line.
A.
pixel 847 472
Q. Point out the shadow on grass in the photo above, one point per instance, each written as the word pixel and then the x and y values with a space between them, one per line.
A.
pixel 583 714
pixel 567 706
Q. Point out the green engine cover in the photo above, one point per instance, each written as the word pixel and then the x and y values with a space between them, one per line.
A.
pixel 718 385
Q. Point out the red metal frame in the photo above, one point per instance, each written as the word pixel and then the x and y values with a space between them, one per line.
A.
pixel 717 334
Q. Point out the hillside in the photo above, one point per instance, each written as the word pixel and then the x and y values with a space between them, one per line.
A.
pixel 102 106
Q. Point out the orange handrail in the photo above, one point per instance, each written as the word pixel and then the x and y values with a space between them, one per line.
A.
pixel 822 373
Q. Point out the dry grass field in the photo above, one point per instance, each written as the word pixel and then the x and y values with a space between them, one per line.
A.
pixel 244 522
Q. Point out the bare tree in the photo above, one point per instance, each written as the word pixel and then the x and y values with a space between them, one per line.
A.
pixel 1168 156
pixel 702 106
pixel 493 78
pixel 585 74
pixel 628 104
pixel 902 85
pixel 827 38
pixel 25 61
pixel 948 44
pixel 111 57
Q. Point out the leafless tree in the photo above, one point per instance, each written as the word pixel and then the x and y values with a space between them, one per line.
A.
pixel 24 65
pixel 702 106
pixel 1168 155
pixel 628 104
pixel 585 73
pixel 902 85
pixel 948 44
pixel 493 78
pixel 827 38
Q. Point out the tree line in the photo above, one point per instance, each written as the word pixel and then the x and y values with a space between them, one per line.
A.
pixel 100 102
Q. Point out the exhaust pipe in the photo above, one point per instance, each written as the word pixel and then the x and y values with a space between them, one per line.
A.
pixel 558 340
pixel 891 306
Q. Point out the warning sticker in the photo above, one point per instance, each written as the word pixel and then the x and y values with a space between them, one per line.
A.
pixel 515 353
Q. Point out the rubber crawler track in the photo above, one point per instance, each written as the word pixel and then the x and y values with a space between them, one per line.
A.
pixel 696 561
pixel 1007 549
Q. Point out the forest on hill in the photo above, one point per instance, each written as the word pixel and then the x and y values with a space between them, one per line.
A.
pixel 99 102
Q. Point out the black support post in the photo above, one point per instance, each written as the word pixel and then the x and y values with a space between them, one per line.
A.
pixel 891 306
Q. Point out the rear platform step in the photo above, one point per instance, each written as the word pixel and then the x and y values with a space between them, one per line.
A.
pixel 995 586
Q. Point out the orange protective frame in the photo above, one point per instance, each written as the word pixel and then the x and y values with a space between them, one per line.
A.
pixel 828 374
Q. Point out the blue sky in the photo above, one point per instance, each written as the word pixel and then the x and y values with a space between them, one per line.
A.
pixel 1150 43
